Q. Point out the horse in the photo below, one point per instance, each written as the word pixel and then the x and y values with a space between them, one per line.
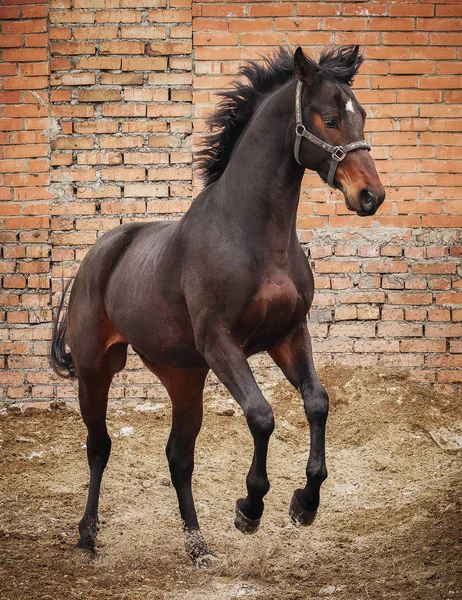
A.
pixel 226 281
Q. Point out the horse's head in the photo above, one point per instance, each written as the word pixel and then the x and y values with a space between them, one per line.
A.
pixel 329 122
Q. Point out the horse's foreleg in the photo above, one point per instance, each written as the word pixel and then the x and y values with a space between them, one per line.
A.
pixel 294 357
pixel 230 365
pixel 185 389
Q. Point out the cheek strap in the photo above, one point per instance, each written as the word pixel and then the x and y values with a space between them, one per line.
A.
pixel 337 153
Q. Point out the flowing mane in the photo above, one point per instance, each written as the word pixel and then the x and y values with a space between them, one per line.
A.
pixel 239 104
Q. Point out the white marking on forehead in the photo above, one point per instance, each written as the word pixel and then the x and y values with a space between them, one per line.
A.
pixel 349 106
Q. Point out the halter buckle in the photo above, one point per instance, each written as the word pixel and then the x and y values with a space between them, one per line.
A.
pixel 339 154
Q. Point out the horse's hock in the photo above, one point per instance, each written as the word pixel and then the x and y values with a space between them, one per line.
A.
pixel 100 99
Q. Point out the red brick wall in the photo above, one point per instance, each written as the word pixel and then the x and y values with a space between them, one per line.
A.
pixel 97 99
pixel 25 199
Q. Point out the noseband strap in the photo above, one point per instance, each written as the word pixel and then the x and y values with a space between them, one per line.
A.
pixel 337 153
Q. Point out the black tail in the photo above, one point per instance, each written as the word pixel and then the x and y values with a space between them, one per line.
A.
pixel 60 358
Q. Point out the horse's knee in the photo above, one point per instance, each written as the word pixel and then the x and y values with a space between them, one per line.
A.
pixel 261 420
pixel 316 402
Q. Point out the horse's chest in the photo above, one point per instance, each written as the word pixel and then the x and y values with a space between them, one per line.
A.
pixel 272 312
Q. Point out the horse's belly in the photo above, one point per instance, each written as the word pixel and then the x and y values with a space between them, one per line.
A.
pixel 276 310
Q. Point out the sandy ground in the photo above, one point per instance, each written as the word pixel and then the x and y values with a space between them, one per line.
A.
pixel 389 525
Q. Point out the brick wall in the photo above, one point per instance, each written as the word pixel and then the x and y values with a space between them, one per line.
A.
pixel 97 99
pixel 25 235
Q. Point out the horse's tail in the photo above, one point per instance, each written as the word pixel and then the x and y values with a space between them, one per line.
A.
pixel 60 358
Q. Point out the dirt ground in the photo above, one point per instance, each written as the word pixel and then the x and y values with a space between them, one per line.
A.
pixel 389 525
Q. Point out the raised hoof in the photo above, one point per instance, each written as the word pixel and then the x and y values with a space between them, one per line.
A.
pixel 298 514
pixel 196 548
pixel 243 523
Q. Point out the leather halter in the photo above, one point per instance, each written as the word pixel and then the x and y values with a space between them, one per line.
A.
pixel 338 153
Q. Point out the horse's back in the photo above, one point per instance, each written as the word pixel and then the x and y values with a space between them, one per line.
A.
pixel 101 261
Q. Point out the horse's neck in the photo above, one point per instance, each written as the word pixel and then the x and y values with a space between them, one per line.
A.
pixel 262 180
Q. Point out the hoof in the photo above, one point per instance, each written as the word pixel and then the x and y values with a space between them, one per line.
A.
pixel 243 523
pixel 298 514
pixel 196 548
pixel 205 560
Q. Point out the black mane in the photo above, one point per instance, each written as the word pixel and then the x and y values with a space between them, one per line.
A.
pixel 238 105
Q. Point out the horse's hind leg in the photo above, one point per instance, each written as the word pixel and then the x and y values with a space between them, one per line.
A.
pixel 185 389
pixel 95 378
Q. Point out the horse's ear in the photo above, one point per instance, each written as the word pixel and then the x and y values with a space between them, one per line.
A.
pixel 304 69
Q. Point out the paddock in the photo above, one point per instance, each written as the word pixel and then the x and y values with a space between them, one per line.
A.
pixel 389 525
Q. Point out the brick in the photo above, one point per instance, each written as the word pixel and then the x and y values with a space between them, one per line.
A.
pixel 386 266
pixel 123 174
pixel 144 64
pixel 73 79
pixel 146 33
pixel 124 110
pixel 409 298
pixel 376 346
pixel 145 95
pixel 169 49
pixel 10 41
pixel 336 266
pixel 454 376
pixel 340 283
pixel 96 127
pixel 455 346
pixel 99 158
pixel 122 78
pixel 447 330
pixel 121 142
pixel 363 298
pixel 145 191
pixel 69 16
pixel 99 95
pixel 25 83
pixel 146 158
pixel 95 33
pixel 440 314
pixel 126 207
pixel 121 48
pixel 72 143
pixel 108 191
pixel 118 16
pixel 352 330
pixel 399 330
pixel 103 63
pixel 434 268
pixel 77 111
pixel 365 313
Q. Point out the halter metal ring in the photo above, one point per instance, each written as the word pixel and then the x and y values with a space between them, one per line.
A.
pixel 339 153
pixel 300 129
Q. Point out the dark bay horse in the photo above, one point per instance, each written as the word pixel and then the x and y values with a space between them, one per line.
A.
pixel 228 280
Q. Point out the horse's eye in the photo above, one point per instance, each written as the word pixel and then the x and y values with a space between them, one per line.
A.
pixel 331 123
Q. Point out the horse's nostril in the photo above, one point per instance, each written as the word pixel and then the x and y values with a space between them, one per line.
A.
pixel 367 199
